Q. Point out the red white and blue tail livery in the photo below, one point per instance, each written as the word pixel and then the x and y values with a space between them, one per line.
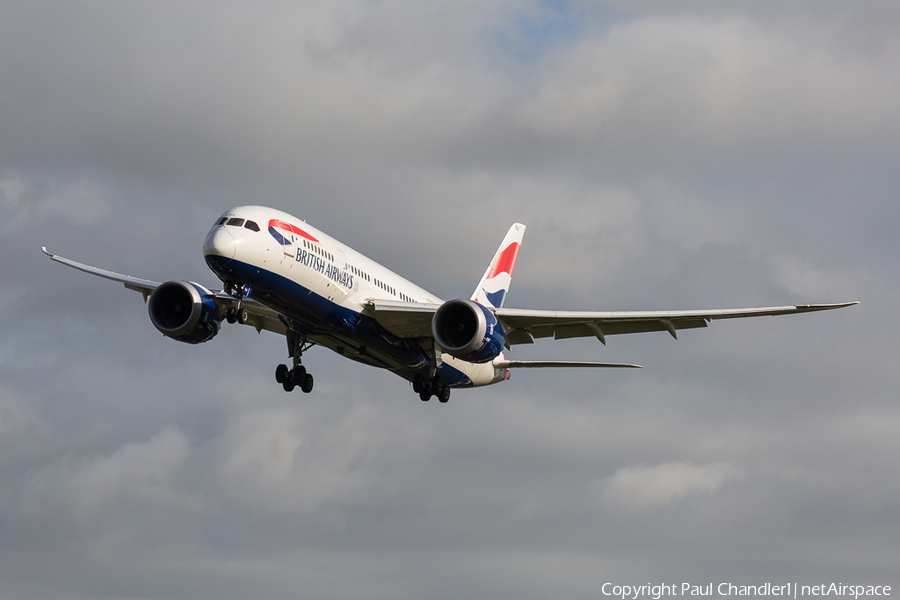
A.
pixel 494 286
pixel 285 276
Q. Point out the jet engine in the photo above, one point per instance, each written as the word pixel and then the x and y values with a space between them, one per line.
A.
pixel 467 330
pixel 184 311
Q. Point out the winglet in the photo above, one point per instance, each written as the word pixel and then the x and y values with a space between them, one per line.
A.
pixel 494 285
pixel 817 307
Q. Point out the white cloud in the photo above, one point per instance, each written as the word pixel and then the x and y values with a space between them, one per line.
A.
pixel 641 487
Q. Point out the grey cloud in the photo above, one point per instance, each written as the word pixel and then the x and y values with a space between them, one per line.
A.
pixel 666 155
pixel 715 83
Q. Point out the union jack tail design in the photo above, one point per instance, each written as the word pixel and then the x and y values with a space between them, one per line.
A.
pixel 494 286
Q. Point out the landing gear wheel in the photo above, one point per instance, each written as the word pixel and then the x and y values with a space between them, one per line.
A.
pixel 307 384
pixel 298 375
pixel 425 396
pixel 288 385
pixel 281 373
pixel 443 394
pixel 231 316
pixel 242 316
pixel 418 384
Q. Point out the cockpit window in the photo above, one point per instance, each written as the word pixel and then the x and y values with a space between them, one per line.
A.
pixel 251 225
pixel 235 222
pixel 221 221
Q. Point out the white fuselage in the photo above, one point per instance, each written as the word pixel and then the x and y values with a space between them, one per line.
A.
pixel 323 287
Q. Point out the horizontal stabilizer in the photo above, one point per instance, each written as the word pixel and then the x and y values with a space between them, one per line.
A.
pixel 540 364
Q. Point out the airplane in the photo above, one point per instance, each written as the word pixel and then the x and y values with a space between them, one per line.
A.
pixel 283 275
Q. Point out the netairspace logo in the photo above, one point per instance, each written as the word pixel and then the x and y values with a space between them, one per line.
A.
pixel 788 590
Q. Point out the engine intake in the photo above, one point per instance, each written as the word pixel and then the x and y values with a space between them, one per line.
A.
pixel 184 311
pixel 467 330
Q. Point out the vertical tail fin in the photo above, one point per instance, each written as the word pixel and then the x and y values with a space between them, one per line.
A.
pixel 493 287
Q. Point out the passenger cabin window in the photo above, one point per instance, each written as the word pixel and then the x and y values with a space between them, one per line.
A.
pixel 251 225
pixel 235 222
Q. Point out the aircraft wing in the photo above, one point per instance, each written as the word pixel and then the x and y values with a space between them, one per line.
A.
pixel 260 317
pixel 522 326
pixel 144 286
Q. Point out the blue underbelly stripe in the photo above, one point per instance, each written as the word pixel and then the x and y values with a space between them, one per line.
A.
pixel 329 323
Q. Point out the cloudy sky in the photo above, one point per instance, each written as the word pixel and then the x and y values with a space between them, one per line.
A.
pixel 664 155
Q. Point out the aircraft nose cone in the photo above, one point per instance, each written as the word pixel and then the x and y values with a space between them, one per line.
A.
pixel 219 243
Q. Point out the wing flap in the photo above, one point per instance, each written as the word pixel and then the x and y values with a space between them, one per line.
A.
pixel 403 319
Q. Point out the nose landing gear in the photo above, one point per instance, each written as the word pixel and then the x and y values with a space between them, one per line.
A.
pixel 238 314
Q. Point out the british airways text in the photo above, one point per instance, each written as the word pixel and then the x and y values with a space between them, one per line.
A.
pixel 320 265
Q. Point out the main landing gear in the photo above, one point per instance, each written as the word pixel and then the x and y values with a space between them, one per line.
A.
pixel 426 388
pixel 296 377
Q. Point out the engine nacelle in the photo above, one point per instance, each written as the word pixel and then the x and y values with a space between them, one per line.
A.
pixel 467 330
pixel 184 311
